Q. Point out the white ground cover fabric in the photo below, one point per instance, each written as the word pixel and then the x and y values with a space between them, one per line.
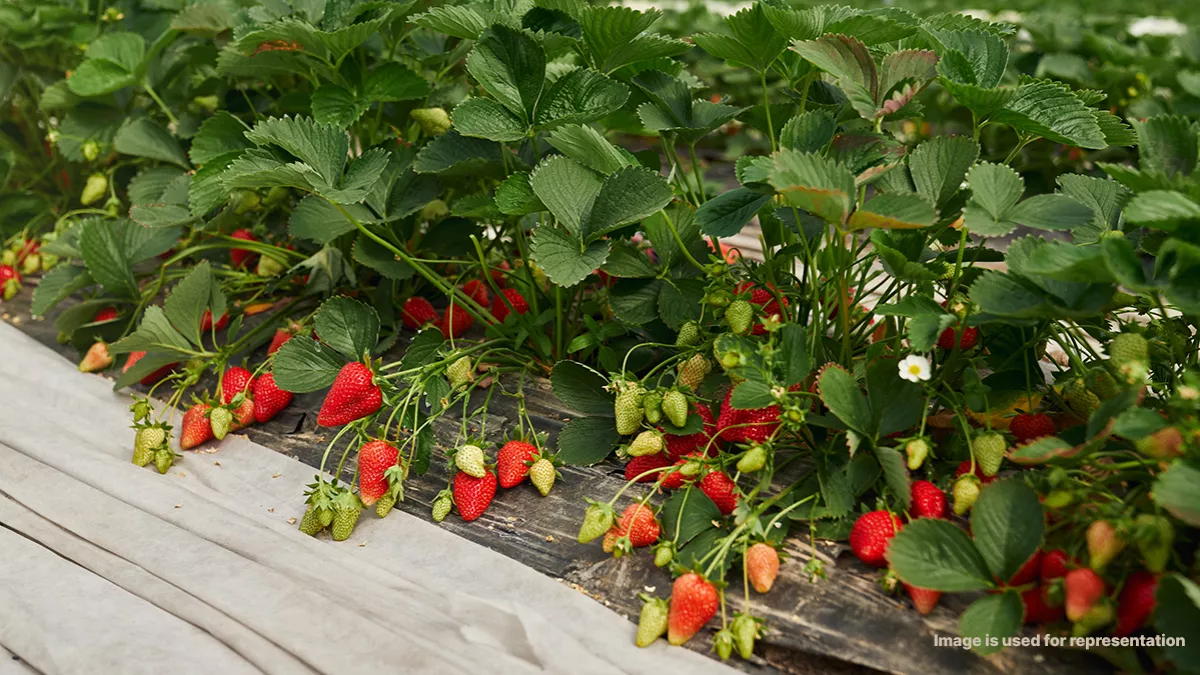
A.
pixel 110 568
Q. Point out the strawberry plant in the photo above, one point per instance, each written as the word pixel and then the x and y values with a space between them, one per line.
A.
pixel 972 301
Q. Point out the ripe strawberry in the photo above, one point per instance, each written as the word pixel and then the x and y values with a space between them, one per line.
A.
pixel 924 600
pixel 1054 564
pixel 269 400
pixel 374 459
pixel 478 292
pixel 1029 571
pixel 639 524
pixel 871 534
pixel 693 371
pixel 675 407
pixel 206 321
pixel 721 489
pixel 498 271
pixel 746 426
pixel 678 446
pixel 1128 348
pixel 927 500
pixel 628 409
pixel 916 450
pixel 195 427
pixel 473 495
pixel 150 379
pixel 512 462
pixel 106 314
pixel 739 315
pixel 694 602
pixel 1136 602
pixel 238 257
pixel 501 311
pixel 243 414
pixel 989 449
pixel 352 396
pixel 146 442
pixel 965 466
pixel 542 474
pixel 455 322
pixel 1103 544
pixel 1084 589
pixel 638 466
pixel 762 566
pixel 237 380
pixel 96 359
pixel 673 480
pixel 966 491
pixel 1028 427
pixel 280 338
pixel 417 313
pixel 597 520
pixel 1037 610
pixel 652 622
pixel 968 339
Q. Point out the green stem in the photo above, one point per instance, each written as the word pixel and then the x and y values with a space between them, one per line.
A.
pixel 154 95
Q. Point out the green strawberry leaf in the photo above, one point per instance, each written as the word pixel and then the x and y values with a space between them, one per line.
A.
pixel 587 440
pixel 934 554
pixel 581 388
pixel 348 326
pixel 1008 524
pixel 991 619
pixel 302 365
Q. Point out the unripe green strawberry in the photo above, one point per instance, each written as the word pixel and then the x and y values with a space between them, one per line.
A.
pixel 1103 544
pixel 745 632
pixel 276 195
pixel 966 491
pixel 1058 499
pixel 31 264
pixel 1102 384
pixel 90 150
pixel 693 371
pixel 346 509
pixel 689 334
pixel 723 644
pixel 442 506
pixel 652 622
pixel 675 405
pixel 916 450
pixel 470 460
pixel 648 442
pixel 664 553
pixel 739 315
pixel 384 505
pixel 163 459
pixel 146 443
pixel 460 373
pixel 1080 400
pixel 628 410
pixel 652 405
pixel 94 190
pixel 597 519
pixel 433 121
pixel 325 516
pixel 1100 615
pixel 754 460
pixel 1155 535
pixel 222 421
pixel 310 522
pixel 542 475
pixel 1128 348
pixel 989 449
pixel 268 267
pixel 245 201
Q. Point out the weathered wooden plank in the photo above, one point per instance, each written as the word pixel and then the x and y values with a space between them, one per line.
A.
pixel 842 624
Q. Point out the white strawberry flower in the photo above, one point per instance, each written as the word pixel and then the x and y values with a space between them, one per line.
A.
pixel 915 368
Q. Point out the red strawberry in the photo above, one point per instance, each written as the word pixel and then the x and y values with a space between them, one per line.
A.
pixel 721 489
pixel 150 379
pixel 640 465
pixel 500 309
pixel 243 415
pixel 1084 588
pixel 498 273
pixel 1031 426
pixel 237 379
pixel 195 427
pixel 965 466
pixel 512 462
pixel 969 337
pixel 1037 610
pixel 678 446
pixel 924 600
pixel 927 500
pixel 762 566
pixel 455 321
pixel 417 313
pixel 1136 602
pixel 759 423
pixel 1054 564
pixel 1029 571
pixel 106 314
pixel 240 256
pixel 639 524
pixel 694 602
pixel 374 459
pixel 871 534
pixel 282 335
pixel 674 479
pixel 206 321
pixel 473 495
pixel 478 292
pixel 352 396
pixel 269 399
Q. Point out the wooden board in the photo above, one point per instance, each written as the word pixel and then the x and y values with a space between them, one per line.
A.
pixel 841 624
